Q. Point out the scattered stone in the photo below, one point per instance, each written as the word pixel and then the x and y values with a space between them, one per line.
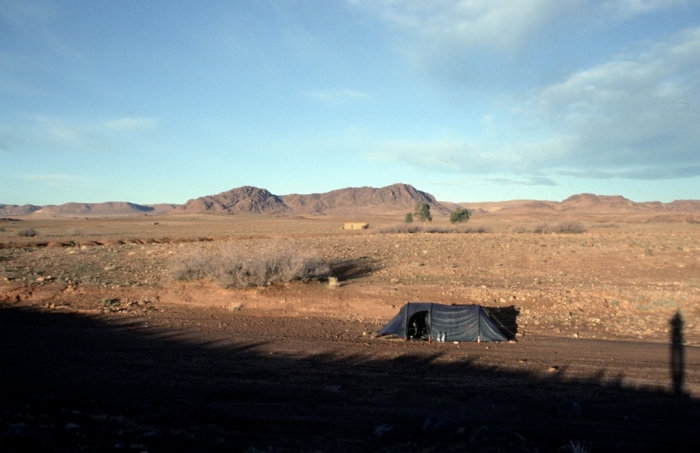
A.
pixel 436 425
pixel 384 432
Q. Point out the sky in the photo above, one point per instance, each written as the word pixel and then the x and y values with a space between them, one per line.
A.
pixel 469 100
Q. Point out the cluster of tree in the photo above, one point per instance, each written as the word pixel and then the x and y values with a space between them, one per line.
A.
pixel 422 213
pixel 460 215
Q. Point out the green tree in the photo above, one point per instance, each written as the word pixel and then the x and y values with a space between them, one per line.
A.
pixel 460 215
pixel 408 218
pixel 423 212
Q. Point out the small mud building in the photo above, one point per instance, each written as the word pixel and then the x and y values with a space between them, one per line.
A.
pixel 434 322
pixel 356 226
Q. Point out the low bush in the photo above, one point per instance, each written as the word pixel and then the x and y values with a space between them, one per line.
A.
pixel 419 228
pixel 571 227
pixel 27 232
pixel 234 266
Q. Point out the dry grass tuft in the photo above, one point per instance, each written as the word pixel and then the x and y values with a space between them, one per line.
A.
pixel 571 227
pixel 27 233
pixel 576 447
pixel 234 266
pixel 401 228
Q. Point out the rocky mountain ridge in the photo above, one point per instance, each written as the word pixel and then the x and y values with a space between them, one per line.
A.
pixel 110 208
pixel 394 199
pixel 584 203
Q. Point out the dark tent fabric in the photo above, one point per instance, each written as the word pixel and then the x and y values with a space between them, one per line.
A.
pixel 454 322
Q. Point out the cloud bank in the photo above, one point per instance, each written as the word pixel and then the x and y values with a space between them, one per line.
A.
pixel 634 116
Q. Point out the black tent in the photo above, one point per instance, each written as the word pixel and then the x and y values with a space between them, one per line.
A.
pixel 438 322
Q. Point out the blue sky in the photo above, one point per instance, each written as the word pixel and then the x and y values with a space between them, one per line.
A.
pixel 163 101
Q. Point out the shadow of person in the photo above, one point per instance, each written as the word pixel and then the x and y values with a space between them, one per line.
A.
pixel 677 354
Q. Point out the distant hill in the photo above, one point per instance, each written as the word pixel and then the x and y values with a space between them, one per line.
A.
pixel 244 199
pixel 584 203
pixel 394 199
pixel 390 200
pixel 111 208
pixel 13 209
pixel 397 198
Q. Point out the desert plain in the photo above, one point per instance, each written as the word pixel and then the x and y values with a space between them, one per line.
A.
pixel 103 350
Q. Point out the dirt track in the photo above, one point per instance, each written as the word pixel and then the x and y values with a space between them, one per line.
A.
pixel 102 351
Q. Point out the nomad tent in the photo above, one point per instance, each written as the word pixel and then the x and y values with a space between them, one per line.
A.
pixel 437 322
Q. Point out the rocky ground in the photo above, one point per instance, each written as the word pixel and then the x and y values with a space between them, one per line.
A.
pixel 103 350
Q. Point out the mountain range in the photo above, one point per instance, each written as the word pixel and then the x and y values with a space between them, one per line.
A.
pixel 110 208
pixel 584 203
pixel 395 199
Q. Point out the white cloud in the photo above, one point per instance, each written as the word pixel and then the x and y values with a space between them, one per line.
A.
pixel 58 134
pixel 455 40
pixel 634 117
pixel 43 133
pixel 465 23
pixel 637 112
pixel 131 124
pixel 337 96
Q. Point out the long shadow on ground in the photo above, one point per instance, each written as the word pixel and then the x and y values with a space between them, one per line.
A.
pixel 353 268
pixel 73 383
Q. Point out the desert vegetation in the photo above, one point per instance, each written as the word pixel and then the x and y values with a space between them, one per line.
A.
pixel 235 266
pixel 569 227
pixel 27 232
pixel 421 228
pixel 422 212
pixel 460 215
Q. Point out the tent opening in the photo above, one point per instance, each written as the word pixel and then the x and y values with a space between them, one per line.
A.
pixel 418 326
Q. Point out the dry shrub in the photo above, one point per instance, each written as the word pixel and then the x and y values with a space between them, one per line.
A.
pixel 27 233
pixel 190 267
pixel 419 228
pixel 519 229
pixel 542 228
pixel 570 227
pixel 235 266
